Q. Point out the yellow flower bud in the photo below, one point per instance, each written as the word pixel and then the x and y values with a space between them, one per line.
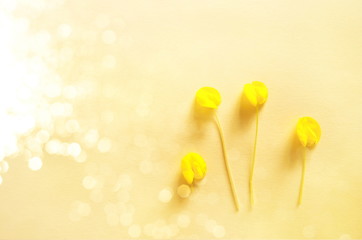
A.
pixel 208 97
pixel 256 92
pixel 308 131
pixel 193 167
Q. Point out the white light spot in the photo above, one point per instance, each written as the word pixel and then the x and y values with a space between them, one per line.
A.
pixel 4 167
pixel 104 145
pixel 53 89
pixel 22 25
pixel 91 138
pixel 24 93
pixel 219 231
pixel 9 5
pixel 24 124
pixel 53 146
pixel 183 221
pixel 43 136
pixel 83 209
pixel 184 191
pixel 63 150
pixel 78 210
pixel 109 37
pixel 134 231
pixel 109 61
pixel 82 157
pixel 42 38
pixel 89 182
pixel 1 180
pixel 33 144
pixel 35 163
pixel 61 109
pixel 74 149
pixel 165 195
pixel 64 30
pixel 70 92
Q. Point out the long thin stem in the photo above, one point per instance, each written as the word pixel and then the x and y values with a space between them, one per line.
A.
pixel 302 179
pixel 253 160
pixel 231 181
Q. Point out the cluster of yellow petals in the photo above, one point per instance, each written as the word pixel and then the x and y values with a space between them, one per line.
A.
pixel 308 131
pixel 208 97
pixel 256 92
pixel 193 167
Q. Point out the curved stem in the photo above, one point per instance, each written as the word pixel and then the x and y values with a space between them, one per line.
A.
pixel 253 160
pixel 231 181
pixel 302 179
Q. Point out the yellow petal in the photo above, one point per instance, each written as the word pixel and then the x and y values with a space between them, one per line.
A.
pixel 193 167
pixel 308 131
pixel 256 92
pixel 250 94
pixel 185 163
pixel 208 97
pixel 261 92
pixel 188 176
pixel 199 169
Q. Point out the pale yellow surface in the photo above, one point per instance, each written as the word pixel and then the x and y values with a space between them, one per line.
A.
pixel 97 110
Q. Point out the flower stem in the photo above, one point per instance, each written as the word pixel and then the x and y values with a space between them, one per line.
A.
pixel 253 160
pixel 231 181
pixel 302 179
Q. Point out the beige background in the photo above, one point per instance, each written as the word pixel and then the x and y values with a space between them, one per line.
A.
pixel 103 93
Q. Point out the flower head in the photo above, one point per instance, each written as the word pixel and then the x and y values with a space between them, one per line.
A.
pixel 308 131
pixel 193 167
pixel 256 92
pixel 208 97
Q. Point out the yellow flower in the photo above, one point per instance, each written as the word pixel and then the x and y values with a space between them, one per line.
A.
pixel 309 134
pixel 256 92
pixel 208 97
pixel 308 131
pixel 193 167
